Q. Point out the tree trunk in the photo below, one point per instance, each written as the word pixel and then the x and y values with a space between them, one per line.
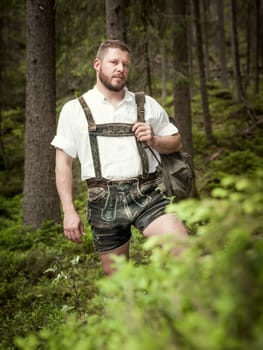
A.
pixel 115 19
pixel 181 75
pixel 222 44
pixel 253 44
pixel 190 46
pixel 249 39
pixel 2 62
pixel 261 35
pixel 182 104
pixel 163 70
pixel 146 47
pixel 257 46
pixel 206 28
pixel 200 56
pixel 40 196
pixel 238 90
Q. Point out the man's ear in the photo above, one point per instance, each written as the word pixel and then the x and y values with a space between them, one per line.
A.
pixel 96 64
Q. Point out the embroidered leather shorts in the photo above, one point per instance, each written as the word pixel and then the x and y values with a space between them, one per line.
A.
pixel 114 206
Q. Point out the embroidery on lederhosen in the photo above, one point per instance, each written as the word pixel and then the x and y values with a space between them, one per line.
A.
pixel 123 195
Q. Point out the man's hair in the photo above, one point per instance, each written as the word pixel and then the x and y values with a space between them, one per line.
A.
pixel 112 44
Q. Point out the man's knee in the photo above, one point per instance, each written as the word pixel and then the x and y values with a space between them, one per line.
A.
pixel 107 259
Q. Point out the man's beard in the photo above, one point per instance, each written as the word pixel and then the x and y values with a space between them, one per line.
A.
pixel 106 82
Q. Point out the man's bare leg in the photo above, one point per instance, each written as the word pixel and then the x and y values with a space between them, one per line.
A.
pixel 106 258
pixel 167 224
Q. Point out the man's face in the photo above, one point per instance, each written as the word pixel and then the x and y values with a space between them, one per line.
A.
pixel 113 69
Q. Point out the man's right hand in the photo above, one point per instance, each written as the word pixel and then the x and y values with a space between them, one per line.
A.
pixel 73 227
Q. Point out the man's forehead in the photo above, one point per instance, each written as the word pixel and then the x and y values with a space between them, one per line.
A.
pixel 115 52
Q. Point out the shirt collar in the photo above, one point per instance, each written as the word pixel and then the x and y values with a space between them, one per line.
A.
pixel 127 95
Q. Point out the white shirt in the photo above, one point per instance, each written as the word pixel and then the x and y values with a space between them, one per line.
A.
pixel 119 156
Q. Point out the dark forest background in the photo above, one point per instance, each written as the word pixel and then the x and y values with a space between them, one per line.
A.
pixel 203 61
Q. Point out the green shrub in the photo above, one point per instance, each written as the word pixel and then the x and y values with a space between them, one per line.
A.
pixel 32 293
pixel 208 297
pixel 239 162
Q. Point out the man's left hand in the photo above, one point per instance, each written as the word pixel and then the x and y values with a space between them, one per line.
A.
pixel 143 132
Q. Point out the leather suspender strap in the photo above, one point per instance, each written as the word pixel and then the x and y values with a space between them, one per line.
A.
pixel 93 137
pixel 91 122
pixel 140 101
pixel 113 129
pixel 144 158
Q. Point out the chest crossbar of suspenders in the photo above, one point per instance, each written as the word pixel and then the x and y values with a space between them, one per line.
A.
pixel 114 130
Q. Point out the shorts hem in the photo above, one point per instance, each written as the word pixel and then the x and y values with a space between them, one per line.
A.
pixel 111 250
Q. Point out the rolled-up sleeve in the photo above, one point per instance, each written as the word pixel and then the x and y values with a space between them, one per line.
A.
pixel 63 143
pixel 65 137
pixel 158 118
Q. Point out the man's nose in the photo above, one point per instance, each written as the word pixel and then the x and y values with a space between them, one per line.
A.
pixel 120 67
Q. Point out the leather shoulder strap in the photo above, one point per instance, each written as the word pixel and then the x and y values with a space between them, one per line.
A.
pixel 93 137
pixel 140 101
pixel 88 114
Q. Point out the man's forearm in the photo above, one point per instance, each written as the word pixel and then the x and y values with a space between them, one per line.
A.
pixel 73 227
pixel 167 144
pixel 64 187
pixel 64 181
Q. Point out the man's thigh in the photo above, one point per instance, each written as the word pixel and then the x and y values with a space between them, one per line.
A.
pixel 166 224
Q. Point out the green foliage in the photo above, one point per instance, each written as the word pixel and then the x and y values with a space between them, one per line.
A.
pixel 44 278
pixel 208 297
pixel 53 297
pixel 232 156
pixel 12 151
pixel 52 294
pixel 10 210
pixel 86 20
pixel 239 145
pixel 238 162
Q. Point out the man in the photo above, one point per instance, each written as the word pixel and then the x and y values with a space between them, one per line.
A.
pixel 122 196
